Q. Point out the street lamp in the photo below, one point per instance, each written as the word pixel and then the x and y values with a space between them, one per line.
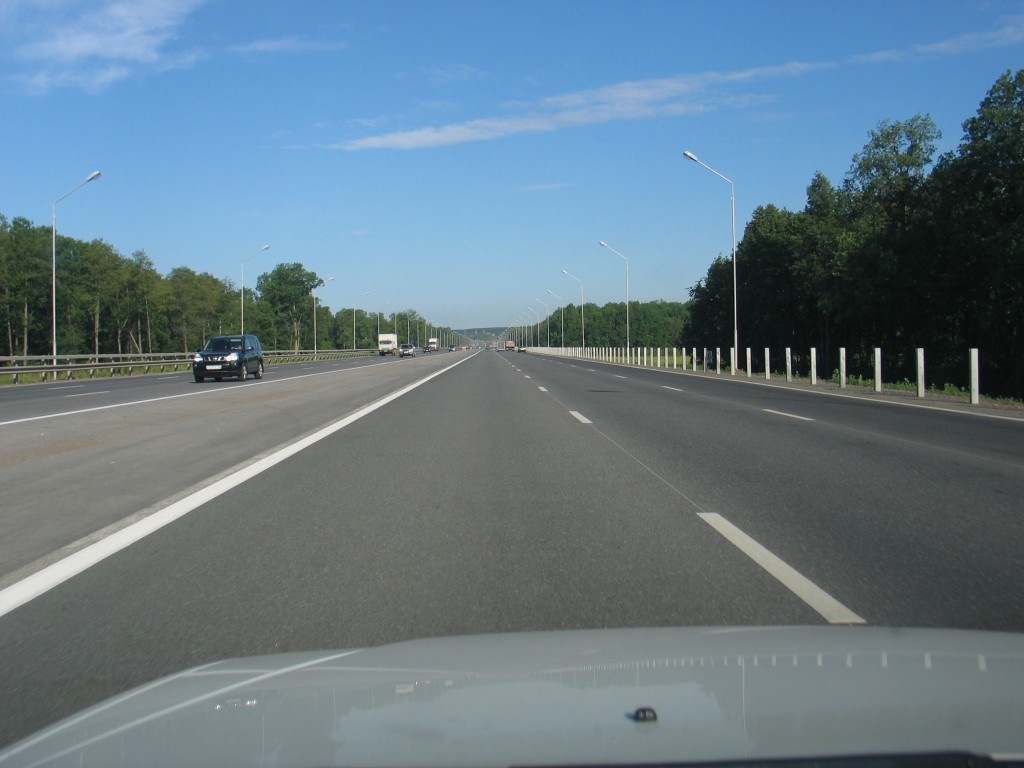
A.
pixel 561 307
pixel 547 311
pixel 605 245
pixel 583 322
pixel 735 311
pixel 53 264
pixel 537 326
pixel 313 294
pixel 241 321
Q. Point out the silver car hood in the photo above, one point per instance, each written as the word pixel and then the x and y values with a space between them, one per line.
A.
pixel 569 698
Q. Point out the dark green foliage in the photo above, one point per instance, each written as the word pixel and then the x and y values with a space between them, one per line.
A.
pixel 107 303
pixel 651 324
pixel 898 258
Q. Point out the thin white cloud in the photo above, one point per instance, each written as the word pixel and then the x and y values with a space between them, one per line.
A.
pixel 290 44
pixel 880 57
pixel 671 96
pixel 1011 32
pixel 630 100
pixel 444 74
pixel 102 43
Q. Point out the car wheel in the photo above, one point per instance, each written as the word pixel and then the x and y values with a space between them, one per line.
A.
pixel 242 372
pixel 259 371
pixel 199 379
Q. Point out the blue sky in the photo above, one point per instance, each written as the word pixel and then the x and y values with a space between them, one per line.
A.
pixel 455 157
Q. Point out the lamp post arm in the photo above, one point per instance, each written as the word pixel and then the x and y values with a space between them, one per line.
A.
pixel 605 245
pixel 735 302
pixel 241 293
pixel 53 263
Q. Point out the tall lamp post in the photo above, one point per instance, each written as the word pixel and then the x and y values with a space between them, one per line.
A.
pixel 547 311
pixel 735 311
pixel 537 325
pixel 605 245
pixel 313 294
pixel 561 307
pixel 583 321
pixel 53 263
pixel 241 321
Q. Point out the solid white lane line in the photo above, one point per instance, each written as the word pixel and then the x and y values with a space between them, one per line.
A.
pixel 53 575
pixel 788 415
pixel 89 394
pixel 580 417
pixel 831 609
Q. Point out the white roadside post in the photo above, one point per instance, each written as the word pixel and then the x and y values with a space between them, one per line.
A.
pixel 920 372
pixel 975 395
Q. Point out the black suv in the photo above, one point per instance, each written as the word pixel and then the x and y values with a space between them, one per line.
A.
pixel 237 355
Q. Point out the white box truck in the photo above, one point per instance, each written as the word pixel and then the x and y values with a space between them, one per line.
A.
pixel 387 344
pixel 432 345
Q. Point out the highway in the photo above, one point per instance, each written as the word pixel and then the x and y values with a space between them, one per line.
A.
pixel 368 501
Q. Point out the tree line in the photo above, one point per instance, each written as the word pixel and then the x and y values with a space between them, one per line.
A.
pixel 905 253
pixel 109 303
pixel 651 324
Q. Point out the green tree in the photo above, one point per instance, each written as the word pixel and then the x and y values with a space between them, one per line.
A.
pixel 286 295
pixel 883 190
pixel 973 224
pixel 772 311
pixel 198 306
pixel 821 262
pixel 711 305
pixel 25 252
pixel 142 283
pixel 89 278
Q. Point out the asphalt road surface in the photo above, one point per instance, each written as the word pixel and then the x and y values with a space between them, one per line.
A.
pixel 371 501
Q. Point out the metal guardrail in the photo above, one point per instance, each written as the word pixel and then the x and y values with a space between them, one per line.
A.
pixel 19 368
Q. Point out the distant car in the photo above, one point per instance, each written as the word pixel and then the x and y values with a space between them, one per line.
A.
pixel 238 355
pixel 407 350
pixel 451 348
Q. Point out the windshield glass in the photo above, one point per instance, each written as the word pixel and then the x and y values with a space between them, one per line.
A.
pixel 224 344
